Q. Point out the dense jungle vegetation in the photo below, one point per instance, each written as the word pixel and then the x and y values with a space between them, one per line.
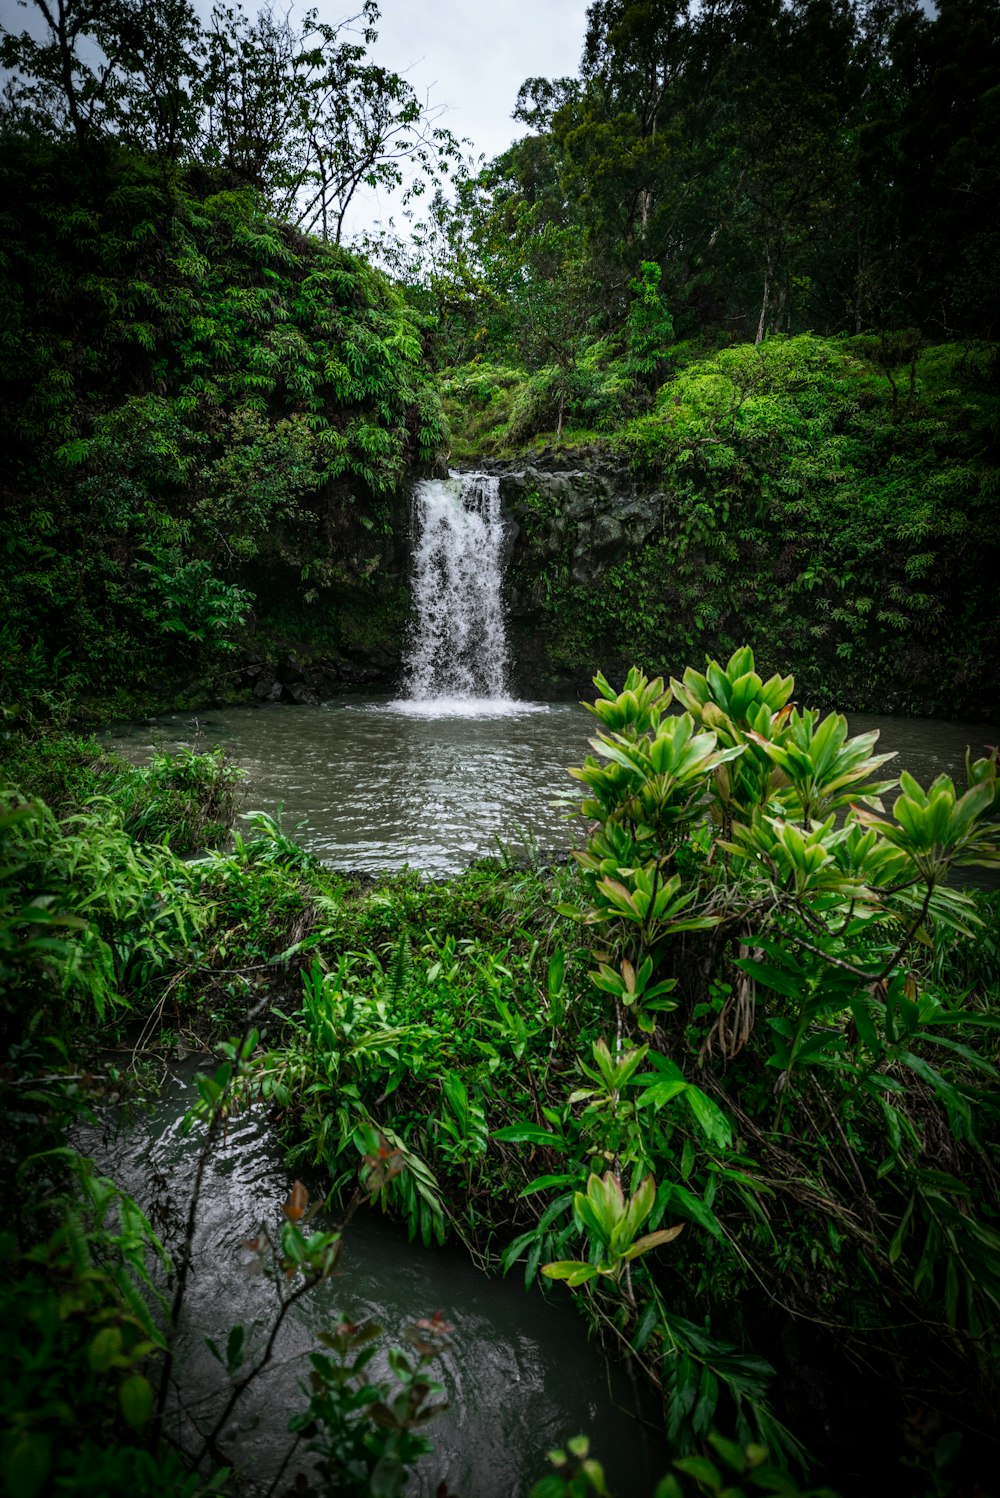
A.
pixel 838 513
pixel 192 390
pixel 747 258
pixel 729 1079
pixel 816 184
pixel 197 388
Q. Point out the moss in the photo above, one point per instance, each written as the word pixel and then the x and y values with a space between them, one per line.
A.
pixel 822 502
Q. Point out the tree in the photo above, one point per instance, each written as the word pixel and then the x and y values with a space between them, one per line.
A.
pixel 294 109
pixel 301 112
pixel 787 164
pixel 107 67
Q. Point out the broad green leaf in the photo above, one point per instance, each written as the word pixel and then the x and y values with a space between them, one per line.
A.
pixel 573 1271
pixel 654 1240
pixel 136 1399
pixel 710 1118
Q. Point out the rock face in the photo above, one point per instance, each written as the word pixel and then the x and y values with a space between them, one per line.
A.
pixel 293 666
pixel 602 573
pixel 568 531
pixel 585 520
pixel 347 633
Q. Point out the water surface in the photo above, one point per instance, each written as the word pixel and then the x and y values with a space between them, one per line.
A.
pixel 520 1376
pixel 374 784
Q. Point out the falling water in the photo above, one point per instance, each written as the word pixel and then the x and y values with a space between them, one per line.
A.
pixel 458 647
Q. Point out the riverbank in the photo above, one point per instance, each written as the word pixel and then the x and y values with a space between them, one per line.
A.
pixel 461 1051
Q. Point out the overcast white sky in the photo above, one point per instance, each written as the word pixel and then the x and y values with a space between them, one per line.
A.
pixel 472 56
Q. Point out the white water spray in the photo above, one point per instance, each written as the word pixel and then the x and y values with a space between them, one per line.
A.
pixel 457 658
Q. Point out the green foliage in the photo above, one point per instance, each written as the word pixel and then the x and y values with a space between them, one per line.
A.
pixel 85 914
pixel 776 169
pixel 811 964
pixel 735 1471
pixel 577 395
pixel 188 388
pixel 805 505
pixel 825 918
pixel 612 1224
pixel 477 399
pixel 82 1321
pixel 188 800
pixel 731 1073
pixel 94 908
pixel 576 1473
pixel 495 409
pixel 649 329
pixel 192 604
pixel 365 1432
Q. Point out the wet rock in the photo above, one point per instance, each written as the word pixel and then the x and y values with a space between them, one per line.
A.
pixel 571 515
pixel 585 521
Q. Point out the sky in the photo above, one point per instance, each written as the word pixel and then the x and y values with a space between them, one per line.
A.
pixel 472 56
pixel 469 57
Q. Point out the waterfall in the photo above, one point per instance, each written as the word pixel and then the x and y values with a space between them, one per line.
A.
pixel 458 644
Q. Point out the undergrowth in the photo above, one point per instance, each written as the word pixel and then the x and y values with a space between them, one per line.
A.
pixel 742 1105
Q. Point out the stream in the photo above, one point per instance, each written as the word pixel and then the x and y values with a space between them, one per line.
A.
pixel 520 1376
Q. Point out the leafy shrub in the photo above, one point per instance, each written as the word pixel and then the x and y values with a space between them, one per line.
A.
pixel 84 912
pixel 805 505
pixel 579 394
pixel 188 388
pixel 187 800
pixel 80 1308
pixel 730 1032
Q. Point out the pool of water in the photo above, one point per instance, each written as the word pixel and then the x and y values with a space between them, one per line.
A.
pixel 378 784
pixel 520 1376
pixel 374 784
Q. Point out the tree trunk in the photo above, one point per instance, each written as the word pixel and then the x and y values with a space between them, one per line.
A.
pixel 763 308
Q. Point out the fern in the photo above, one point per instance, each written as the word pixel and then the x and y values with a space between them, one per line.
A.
pixel 398 979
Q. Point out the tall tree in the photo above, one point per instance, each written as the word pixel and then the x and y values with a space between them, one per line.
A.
pixel 107 67
pixel 787 164
pixel 299 109
pixel 293 108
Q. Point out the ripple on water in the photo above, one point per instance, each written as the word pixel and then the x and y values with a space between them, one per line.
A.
pixel 461 707
pixel 375 784
pixel 520 1376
